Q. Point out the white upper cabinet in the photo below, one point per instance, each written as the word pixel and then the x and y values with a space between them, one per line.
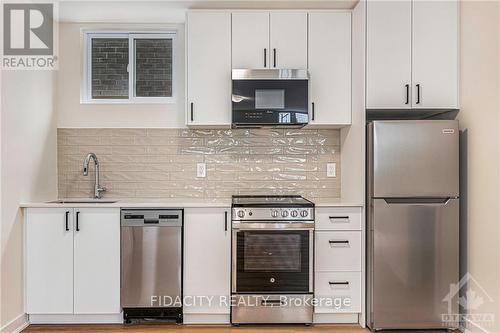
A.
pixel 97 261
pixel 250 41
pixel 330 68
pixel 412 54
pixel 288 40
pixel 49 261
pixel 208 37
pixel 435 54
pixel 263 39
pixel 388 54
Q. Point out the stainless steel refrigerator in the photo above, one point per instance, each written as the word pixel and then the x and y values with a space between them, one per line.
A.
pixel 413 222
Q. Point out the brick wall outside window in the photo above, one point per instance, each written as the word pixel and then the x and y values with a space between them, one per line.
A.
pixel 109 68
pixel 153 61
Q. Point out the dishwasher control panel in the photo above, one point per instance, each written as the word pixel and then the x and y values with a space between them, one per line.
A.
pixel 151 216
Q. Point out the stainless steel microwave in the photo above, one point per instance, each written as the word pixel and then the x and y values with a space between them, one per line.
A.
pixel 270 97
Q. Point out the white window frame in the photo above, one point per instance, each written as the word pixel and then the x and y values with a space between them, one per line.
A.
pixel 86 91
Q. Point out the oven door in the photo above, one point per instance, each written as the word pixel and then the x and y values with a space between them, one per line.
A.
pixel 272 261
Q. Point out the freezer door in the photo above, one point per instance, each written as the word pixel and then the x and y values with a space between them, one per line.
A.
pixel 413 259
pixel 417 158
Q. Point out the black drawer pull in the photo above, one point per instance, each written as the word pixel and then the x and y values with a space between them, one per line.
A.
pixel 265 57
pixel 67 223
pixel 312 109
pixel 339 217
pixel 77 221
pixel 274 57
pixel 407 86
pixel 225 221
pixel 192 111
pixel 338 241
pixel 344 283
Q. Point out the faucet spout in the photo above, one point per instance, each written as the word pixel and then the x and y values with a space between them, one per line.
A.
pixel 97 187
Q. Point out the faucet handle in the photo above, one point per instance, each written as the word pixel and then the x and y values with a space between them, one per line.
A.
pixel 101 189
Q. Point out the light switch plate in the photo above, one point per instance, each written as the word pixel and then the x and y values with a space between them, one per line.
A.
pixel 201 170
pixel 331 169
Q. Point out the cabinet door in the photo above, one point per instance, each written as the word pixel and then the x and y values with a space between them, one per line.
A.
pixel 388 51
pixel 435 54
pixel 207 254
pixel 330 67
pixel 97 260
pixel 49 261
pixel 208 68
pixel 288 31
pixel 250 40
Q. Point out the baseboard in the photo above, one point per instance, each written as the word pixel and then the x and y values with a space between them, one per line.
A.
pixel 205 318
pixel 76 319
pixel 336 318
pixel 16 325
pixel 476 327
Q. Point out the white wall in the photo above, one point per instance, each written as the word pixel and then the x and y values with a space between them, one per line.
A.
pixel 71 113
pixel 480 116
pixel 28 173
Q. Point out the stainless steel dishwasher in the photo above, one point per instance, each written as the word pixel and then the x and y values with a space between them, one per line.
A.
pixel 151 264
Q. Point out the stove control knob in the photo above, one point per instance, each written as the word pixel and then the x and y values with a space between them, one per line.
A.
pixel 284 213
pixel 304 213
pixel 241 214
pixel 294 213
pixel 274 213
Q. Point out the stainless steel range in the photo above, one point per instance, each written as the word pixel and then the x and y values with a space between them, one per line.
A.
pixel 272 260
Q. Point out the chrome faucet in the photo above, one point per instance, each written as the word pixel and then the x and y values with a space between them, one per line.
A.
pixel 97 187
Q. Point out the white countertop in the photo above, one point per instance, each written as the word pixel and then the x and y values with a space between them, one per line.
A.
pixel 160 203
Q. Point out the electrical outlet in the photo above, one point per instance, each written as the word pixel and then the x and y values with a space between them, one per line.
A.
pixel 201 170
pixel 331 169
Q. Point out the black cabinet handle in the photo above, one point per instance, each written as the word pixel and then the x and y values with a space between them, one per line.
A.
pixel 225 221
pixel 338 241
pixel 312 106
pixel 77 221
pixel 274 57
pixel 407 86
pixel 67 221
pixel 418 93
pixel 192 111
pixel 265 57
pixel 339 217
pixel 337 283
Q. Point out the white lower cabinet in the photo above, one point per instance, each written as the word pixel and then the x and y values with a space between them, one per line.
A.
pixel 338 265
pixel 72 261
pixel 97 261
pixel 340 292
pixel 49 261
pixel 207 265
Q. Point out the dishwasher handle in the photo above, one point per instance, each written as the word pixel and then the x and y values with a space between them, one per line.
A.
pixel 151 221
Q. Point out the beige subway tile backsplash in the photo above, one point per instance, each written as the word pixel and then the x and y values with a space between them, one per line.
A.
pixel 161 163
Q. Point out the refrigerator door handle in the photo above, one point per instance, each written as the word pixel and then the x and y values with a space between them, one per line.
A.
pixel 418 201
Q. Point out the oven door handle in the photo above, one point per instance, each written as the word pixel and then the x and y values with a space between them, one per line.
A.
pixel 273 226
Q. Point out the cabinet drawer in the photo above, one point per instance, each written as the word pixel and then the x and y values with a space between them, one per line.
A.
pixel 338 251
pixel 338 292
pixel 338 218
